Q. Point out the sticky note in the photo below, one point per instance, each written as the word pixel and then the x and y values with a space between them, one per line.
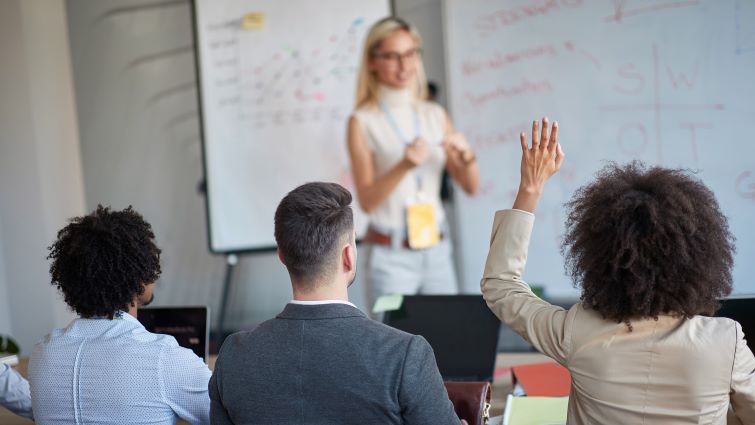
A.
pixel 253 21
pixel 388 303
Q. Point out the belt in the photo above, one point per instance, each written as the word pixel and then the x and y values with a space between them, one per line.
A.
pixel 377 238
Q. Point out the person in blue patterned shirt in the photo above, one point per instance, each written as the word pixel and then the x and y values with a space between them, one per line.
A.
pixel 104 367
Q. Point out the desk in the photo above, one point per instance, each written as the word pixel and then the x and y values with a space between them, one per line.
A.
pixel 502 385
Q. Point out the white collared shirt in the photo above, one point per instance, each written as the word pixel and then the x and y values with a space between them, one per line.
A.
pixel 321 302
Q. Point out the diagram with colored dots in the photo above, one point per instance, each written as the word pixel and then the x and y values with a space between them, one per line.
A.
pixel 293 83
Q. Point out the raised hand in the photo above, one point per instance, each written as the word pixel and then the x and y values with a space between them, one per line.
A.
pixel 539 162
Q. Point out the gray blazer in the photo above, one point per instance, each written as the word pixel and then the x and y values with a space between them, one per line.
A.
pixel 327 364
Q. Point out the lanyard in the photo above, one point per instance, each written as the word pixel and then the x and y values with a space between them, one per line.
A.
pixel 395 127
pixel 400 134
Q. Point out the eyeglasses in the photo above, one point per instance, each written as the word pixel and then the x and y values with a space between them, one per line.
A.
pixel 394 58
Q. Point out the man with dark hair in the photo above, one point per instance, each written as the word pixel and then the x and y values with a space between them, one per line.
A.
pixel 105 368
pixel 321 360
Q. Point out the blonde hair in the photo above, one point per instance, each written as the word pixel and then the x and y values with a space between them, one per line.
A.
pixel 368 87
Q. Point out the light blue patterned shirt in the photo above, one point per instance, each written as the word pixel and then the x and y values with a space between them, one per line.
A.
pixel 100 371
pixel 14 391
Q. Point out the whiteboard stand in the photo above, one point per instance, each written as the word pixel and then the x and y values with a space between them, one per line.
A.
pixel 231 261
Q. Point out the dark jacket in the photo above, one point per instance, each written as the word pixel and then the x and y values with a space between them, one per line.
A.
pixel 327 364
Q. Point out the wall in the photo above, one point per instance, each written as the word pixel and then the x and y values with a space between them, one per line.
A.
pixel 40 177
pixel 5 319
pixel 427 16
pixel 136 92
pixel 134 78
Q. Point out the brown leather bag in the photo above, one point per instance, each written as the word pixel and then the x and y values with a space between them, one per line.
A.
pixel 471 400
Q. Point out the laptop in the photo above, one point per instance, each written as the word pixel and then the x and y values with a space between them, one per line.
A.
pixel 741 309
pixel 189 325
pixel 461 329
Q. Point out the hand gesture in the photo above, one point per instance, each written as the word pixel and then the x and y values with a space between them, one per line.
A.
pixel 543 159
pixel 416 153
pixel 457 148
pixel 539 163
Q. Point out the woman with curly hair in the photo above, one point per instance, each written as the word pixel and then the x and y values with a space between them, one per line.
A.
pixel 652 254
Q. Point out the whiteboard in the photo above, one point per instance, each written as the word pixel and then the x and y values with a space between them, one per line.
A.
pixel 277 84
pixel 668 82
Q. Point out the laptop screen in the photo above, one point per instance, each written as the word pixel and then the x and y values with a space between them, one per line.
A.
pixel 461 329
pixel 189 325
pixel 743 311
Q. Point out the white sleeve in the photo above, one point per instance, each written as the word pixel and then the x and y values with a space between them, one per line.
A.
pixel 14 392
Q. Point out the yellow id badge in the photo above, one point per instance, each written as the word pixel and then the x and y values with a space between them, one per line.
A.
pixel 421 225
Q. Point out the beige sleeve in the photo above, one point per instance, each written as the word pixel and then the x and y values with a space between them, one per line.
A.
pixel 743 381
pixel 544 325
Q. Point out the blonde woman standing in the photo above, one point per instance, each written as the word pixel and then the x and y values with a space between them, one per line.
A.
pixel 399 145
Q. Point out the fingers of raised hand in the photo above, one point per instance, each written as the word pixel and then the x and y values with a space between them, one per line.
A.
pixel 553 140
pixel 543 138
pixel 559 156
pixel 544 134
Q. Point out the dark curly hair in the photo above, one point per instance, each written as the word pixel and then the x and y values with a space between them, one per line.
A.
pixel 642 242
pixel 101 261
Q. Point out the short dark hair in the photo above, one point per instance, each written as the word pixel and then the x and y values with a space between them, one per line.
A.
pixel 310 223
pixel 642 242
pixel 101 261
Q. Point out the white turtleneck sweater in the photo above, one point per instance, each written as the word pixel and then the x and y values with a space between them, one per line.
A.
pixel 387 150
